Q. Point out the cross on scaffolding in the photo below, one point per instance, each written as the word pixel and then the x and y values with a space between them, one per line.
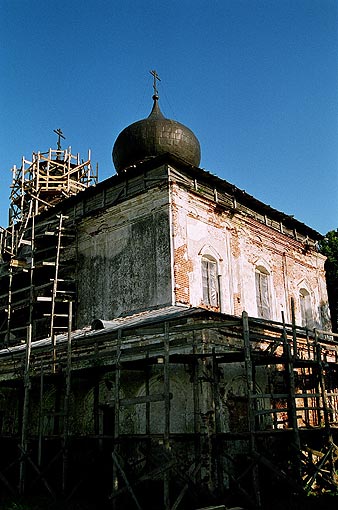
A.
pixel 60 135
pixel 156 77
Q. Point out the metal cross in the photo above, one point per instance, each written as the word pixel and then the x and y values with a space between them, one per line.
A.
pixel 156 77
pixel 60 135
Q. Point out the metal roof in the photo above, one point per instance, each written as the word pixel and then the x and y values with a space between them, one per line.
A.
pixel 100 326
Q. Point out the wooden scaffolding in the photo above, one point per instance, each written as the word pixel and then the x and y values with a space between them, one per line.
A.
pixel 287 434
pixel 34 276
pixel 47 179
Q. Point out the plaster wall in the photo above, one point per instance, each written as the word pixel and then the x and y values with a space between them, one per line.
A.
pixel 240 245
pixel 124 258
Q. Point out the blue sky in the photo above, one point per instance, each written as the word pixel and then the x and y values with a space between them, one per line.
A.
pixel 256 80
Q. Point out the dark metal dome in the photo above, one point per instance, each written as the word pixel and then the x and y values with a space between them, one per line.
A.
pixel 152 137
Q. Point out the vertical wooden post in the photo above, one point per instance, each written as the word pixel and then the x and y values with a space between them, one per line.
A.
pixel 196 397
pixel 292 413
pixel 322 386
pixel 9 303
pixel 166 375
pixel 54 289
pixel 41 414
pixel 116 430
pixel 96 400
pixel 117 386
pixel 251 403
pixel 148 406
pixel 215 390
pixel 24 442
pixel 66 400
pixel 294 332
pixel 317 353
pixel 216 399
pixel 147 394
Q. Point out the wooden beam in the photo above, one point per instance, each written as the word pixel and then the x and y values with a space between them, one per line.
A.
pixel 166 376
pixel 191 473
pixel 251 403
pixel 124 476
pixel 25 412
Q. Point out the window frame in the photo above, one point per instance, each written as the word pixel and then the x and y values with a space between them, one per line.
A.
pixel 263 294
pixel 305 306
pixel 210 281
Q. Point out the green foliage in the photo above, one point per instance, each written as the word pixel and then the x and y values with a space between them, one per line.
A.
pixel 329 247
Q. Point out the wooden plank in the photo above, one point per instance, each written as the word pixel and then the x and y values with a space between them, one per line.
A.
pixel 261 459
pixel 147 386
pixel 209 325
pixel 166 376
pixel 25 412
pixel 292 414
pixel 196 397
pixel 126 481
pixel 6 483
pixel 294 334
pixel 39 472
pixel 156 397
pixel 263 412
pixel 322 385
pixel 145 399
pixel 151 475
pixel 249 372
pixel 251 402
pixel 67 400
pixel 217 410
pixel 326 333
pixel 116 430
pixel 318 467
pixel 191 473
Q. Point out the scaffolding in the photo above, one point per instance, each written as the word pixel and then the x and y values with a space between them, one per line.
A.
pixel 34 274
pixel 46 180
pixel 286 434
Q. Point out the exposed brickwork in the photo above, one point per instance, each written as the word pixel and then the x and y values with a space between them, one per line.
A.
pixel 234 243
pixel 240 243
pixel 182 267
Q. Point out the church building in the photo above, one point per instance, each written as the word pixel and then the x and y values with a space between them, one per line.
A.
pixel 165 339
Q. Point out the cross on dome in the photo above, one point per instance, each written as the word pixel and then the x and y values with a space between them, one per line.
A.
pixel 156 78
pixel 60 135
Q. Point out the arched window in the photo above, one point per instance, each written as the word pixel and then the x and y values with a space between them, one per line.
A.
pixel 209 281
pixel 262 293
pixel 305 308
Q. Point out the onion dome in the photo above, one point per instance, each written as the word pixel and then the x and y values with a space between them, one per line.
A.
pixel 154 136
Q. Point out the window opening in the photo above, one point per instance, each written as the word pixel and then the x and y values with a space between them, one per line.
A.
pixel 262 294
pixel 305 308
pixel 209 282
